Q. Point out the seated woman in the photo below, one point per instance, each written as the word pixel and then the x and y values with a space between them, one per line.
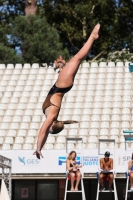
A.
pixel 73 169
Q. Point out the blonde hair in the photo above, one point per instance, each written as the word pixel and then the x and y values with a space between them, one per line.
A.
pixel 69 156
pixel 58 126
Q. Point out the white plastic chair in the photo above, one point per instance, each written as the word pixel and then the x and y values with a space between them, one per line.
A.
pixel 85 118
pixel 115 125
pixel 92 139
pixel 116 111
pixel 125 111
pixel 115 118
pixel 34 126
pixel 26 66
pixel 94 64
pixel 108 93
pixel 7 94
pixel 95 118
pixel 94 125
pixel 125 118
pixel 11 133
pixel 106 111
pixel 19 140
pixel 21 133
pixel 114 131
pixel 63 132
pixel 14 126
pixel 6 119
pixel 93 131
pixel 85 65
pixel 96 111
pixel 47 146
pixel 125 125
pixel 35 65
pixel 19 112
pixel 105 118
pixel 97 105
pixel 91 146
pixel 2 133
pixel 29 140
pixel 17 147
pixel 36 119
pixel 6 147
pixel 83 132
pixel 27 146
pixel 104 132
pixel 61 139
pixel 8 140
pixel 84 125
pixel 104 125
pixel 117 99
pixel 16 119
pixel 110 75
pixel 32 133
pixel 111 64
pixel 58 146
pixel 110 81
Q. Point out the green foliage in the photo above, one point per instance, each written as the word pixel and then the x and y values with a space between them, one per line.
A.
pixel 39 42
pixel 76 19
pixel 115 19
pixel 7 55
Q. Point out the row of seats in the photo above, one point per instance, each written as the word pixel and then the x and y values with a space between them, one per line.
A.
pixel 66 132
pixel 41 88
pixel 85 118
pixel 59 139
pixel 34 99
pixel 83 124
pixel 60 146
pixel 84 64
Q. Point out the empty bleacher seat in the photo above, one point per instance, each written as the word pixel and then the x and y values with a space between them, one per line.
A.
pixel 91 146
pixel 48 146
pixel 94 131
pixel 6 147
pixel 104 132
pixel 17 146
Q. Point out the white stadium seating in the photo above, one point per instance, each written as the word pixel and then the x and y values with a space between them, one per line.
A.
pixel 101 100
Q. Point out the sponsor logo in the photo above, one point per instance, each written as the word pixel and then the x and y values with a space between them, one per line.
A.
pixel 86 160
pixel 90 160
pixel 28 161
pixel 62 160
pixel 122 160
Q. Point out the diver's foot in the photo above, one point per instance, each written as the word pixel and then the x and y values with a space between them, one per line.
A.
pixel 94 35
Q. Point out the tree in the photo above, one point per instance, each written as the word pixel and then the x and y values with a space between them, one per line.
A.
pixel 7 55
pixel 38 41
pixel 75 19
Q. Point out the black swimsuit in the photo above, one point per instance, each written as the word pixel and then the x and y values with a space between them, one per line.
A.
pixel 71 165
pixel 53 91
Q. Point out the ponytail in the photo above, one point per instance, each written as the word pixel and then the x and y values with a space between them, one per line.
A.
pixel 59 125
pixel 69 122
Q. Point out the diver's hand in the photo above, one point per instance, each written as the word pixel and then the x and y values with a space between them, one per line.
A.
pixel 38 154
